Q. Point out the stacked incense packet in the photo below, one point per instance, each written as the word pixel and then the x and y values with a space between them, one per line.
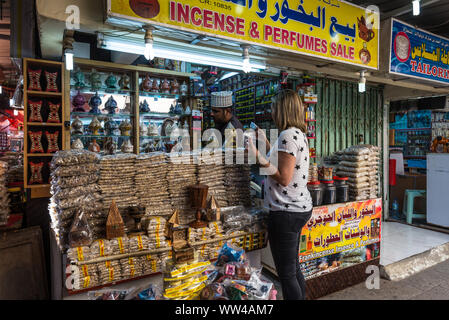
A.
pixel 117 180
pixel 4 204
pixel 237 179
pixel 181 175
pixel 360 164
pixel 74 187
pixel 151 184
pixel 211 172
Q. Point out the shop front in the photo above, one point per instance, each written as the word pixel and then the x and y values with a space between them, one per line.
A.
pixel 103 141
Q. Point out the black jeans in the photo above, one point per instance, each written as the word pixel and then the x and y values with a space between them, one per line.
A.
pixel 284 230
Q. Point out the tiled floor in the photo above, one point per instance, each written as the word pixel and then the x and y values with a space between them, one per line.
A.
pixel 400 241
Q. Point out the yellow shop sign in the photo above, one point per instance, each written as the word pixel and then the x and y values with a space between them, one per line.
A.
pixel 331 29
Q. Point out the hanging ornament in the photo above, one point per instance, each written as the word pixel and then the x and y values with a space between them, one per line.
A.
pixel 36 143
pixel 53 116
pixel 51 81
pixel 36 173
pixel 52 139
pixel 35 111
pixel 34 77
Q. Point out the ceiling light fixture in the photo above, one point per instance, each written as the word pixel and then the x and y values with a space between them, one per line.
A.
pixel 246 65
pixel 416 7
pixel 182 52
pixel 149 50
pixel 362 82
pixel 68 49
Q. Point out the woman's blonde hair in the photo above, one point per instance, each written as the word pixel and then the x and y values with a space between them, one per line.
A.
pixel 288 110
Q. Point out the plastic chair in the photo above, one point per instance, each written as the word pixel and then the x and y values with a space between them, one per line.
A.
pixel 409 198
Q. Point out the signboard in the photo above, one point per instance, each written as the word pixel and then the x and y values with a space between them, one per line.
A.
pixel 340 235
pixel 330 29
pixel 417 53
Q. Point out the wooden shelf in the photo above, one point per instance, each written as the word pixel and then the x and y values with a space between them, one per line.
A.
pixel 45 124
pixel 120 67
pixel 40 155
pixel 36 186
pixel 44 93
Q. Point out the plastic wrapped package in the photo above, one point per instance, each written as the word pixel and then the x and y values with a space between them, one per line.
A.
pixel 79 201
pixel 80 233
pixel 230 253
pixel 75 170
pixel 100 248
pixel 108 294
pixel 131 267
pixel 119 245
pixel 258 289
pixel 87 277
pixel 75 181
pixel 63 193
pixel 79 254
pixel 138 243
pixel 109 271
pixel 73 157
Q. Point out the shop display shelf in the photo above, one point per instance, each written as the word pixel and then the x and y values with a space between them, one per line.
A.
pixel 158 95
pixel 44 124
pixel 98 136
pixel 414 157
pixel 310 120
pixel 413 129
pixel 102 91
pixel 91 115
pixel 154 137
pixel 33 186
pixel 159 114
pixel 41 154
pixel 44 93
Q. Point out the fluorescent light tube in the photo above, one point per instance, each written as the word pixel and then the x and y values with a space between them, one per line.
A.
pixel 69 60
pixel 416 7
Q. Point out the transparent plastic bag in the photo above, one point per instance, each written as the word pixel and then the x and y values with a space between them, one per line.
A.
pixel 80 234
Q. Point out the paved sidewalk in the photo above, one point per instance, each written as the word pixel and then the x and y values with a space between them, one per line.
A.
pixel 430 284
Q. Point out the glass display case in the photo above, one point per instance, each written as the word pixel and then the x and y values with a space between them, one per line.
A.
pixel 126 109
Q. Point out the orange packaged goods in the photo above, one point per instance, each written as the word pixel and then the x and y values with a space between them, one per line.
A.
pixel 115 226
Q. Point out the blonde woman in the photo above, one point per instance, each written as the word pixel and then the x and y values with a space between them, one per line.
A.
pixel 286 193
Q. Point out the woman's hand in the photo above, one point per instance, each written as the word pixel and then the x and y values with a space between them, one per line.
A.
pixel 261 136
pixel 252 150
